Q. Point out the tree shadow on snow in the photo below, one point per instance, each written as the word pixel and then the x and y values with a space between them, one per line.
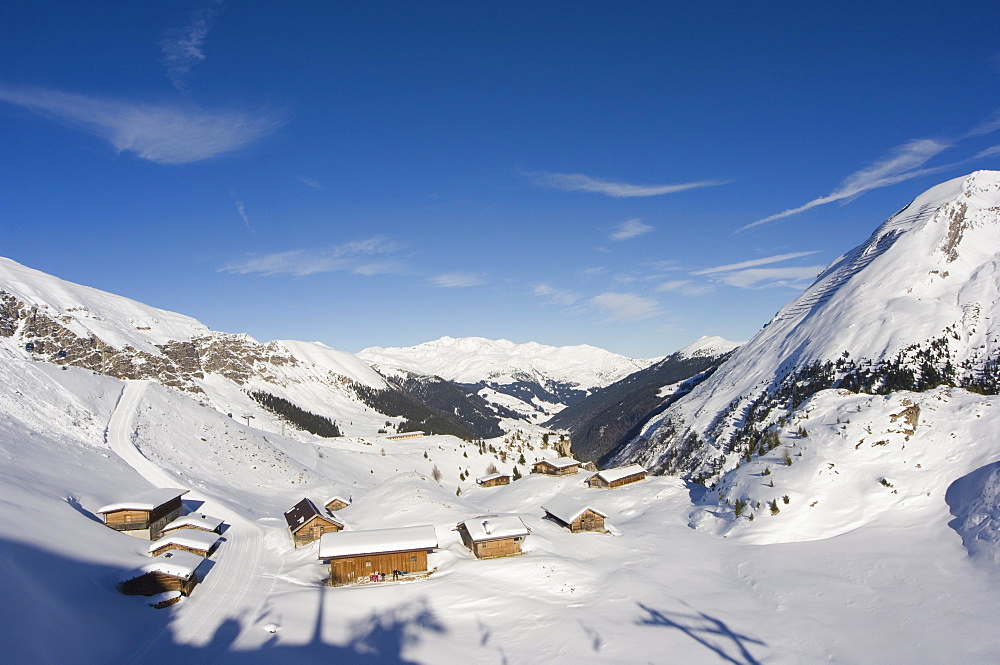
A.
pixel 713 634
pixel 379 639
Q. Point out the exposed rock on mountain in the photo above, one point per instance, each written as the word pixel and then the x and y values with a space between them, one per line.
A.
pixel 911 308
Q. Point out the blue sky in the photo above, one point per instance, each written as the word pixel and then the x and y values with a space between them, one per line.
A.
pixel 627 175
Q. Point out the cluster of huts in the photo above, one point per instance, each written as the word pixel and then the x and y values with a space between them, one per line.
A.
pixel 179 545
pixel 380 554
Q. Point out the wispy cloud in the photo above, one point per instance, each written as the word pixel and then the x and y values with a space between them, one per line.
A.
pixel 309 182
pixel 673 285
pixel 631 229
pixel 554 296
pixel 457 280
pixel 625 307
pixel 158 133
pixel 241 209
pixel 765 278
pixel 352 257
pixel 182 48
pixel 577 182
pixel 777 258
pixel 902 163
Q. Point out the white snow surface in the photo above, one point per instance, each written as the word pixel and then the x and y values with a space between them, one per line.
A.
pixel 493 527
pixel 147 500
pixel 176 563
pixel 568 509
pixel 883 568
pixel 474 359
pixel 193 538
pixel 376 541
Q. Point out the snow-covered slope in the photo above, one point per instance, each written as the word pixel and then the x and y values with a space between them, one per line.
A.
pixel 533 379
pixel 912 307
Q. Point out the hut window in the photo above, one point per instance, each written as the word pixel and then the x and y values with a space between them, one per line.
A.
pixel 368 564
pixel 413 558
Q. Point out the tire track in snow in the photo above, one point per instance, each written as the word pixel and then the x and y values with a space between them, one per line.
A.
pixel 228 591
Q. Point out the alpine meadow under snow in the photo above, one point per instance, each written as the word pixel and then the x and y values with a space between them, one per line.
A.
pixel 848 511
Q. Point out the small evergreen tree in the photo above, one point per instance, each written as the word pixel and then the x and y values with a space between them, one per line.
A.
pixel 436 473
pixel 740 507
pixel 516 474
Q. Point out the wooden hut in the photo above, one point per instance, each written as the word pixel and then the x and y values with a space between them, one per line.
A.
pixel 574 515
pixel 405 435
pixel 195 521
pixel 202 543
pixel 491 536
pixel 173 571
pixel 306 523
pixel 145 514
pixel 618 476
pixel 493 480
pixel 357 555
pixel 561 466
pixel 337 503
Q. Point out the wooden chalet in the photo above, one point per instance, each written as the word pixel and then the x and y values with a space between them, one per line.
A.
pixel 173 571
pixel 202 543
pixel 145 514
pixel 405 435
pixel 195 521
pixel 574 515
pixel 355 556
pixel 307 523
pixel 337 503
pixel 493 480
pixel 491 536
pixel 561 466
pixel 618 476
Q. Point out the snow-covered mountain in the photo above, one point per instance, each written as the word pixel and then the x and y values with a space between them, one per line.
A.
pixel 44 318
pixel 532 379
pixel 911 308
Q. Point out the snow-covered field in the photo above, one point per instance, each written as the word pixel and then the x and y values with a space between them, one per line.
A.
pixel 869 574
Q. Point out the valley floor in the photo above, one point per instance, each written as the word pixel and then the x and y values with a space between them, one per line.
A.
pixel 899 589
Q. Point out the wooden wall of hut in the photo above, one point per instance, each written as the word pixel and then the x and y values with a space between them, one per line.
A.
pixel 345 570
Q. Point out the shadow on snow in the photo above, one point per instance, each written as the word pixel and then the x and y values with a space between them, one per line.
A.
pixel 711 633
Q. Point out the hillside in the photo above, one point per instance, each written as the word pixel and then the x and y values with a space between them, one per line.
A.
pixel 612 416
pixel 909 309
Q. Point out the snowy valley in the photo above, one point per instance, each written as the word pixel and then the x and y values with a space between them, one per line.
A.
pixel 830 493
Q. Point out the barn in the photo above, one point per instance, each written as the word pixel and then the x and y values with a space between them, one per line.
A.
pixel 355 556
pixel 493 480
pixel 416 434
pixel 491 536
pixel 202 543
pixel 145 514
pixel 561 466
pixel 574 515
pixel 337 503
pixel 306 523
pixel 618 476
pixel 197 521
pixel 173 571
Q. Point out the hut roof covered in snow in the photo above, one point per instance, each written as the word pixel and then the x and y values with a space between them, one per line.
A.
pixel 376 541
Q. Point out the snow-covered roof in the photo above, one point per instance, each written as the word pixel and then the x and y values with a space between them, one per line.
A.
pixel 493 527
pixel 198 540
pixel 376 541
pixel 617 473
pixel 560 462
pixel 492 476
pixel 197 520
pixel 336 497
pixel 147 500
pixel 305 510
pixel 176 563
pixel 567 509
pixel 406 435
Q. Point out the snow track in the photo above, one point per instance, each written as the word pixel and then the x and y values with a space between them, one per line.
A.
pixel 227 591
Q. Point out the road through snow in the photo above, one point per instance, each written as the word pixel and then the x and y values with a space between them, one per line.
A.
pixel 226 592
